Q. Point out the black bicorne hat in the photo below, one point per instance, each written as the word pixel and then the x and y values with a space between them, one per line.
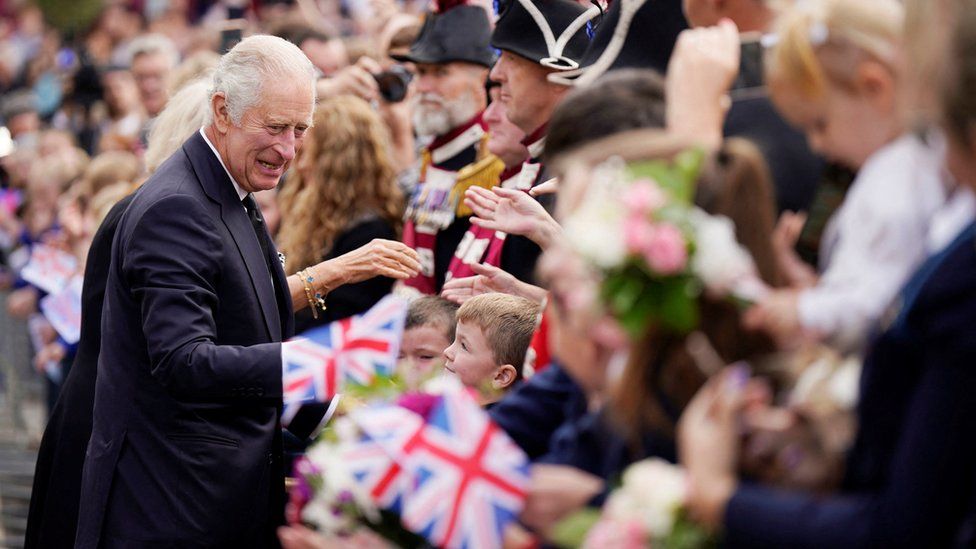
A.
pixel 633 34
pixel 552 33
pixel 458 33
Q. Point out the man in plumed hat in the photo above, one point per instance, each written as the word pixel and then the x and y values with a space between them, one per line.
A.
pixel 452 56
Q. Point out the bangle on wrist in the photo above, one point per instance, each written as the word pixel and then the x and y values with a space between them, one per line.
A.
pixel 315 299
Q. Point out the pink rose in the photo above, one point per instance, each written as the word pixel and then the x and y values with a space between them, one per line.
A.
pixel 638 232
pixel 616 534
pixel 666 251
pixel 643 197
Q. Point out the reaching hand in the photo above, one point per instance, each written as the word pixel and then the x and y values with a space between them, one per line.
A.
pixel 708 438
pixel 546 187
pixel 488 280
pixel 513 212
pixel 700 72
pixel 555 491
pixel 785 235
pixel 778 315
pixel 52 352
pixel 378 258
pixel 300 537
pixel 22 302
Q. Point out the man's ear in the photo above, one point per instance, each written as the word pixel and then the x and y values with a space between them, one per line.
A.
pixel 504 376
pixel 221 116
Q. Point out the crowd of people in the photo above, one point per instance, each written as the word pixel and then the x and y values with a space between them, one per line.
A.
pixel 734 235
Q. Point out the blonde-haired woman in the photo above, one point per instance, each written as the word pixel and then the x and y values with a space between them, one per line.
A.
pixel 342 201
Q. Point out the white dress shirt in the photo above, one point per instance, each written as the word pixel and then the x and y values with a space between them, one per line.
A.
pixel 875 240
pixel 240 192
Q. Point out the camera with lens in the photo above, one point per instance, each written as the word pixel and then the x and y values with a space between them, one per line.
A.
pixel 393 83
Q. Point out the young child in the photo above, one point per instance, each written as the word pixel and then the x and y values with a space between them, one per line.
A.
pixel 428 331
pixel 493 335
pixel 835 74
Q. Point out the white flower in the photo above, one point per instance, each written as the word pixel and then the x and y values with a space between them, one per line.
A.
pixel 339 484
pixel 721 263
pixel 653 493
pixel 845 384
pixel 596 228
pixel 442 384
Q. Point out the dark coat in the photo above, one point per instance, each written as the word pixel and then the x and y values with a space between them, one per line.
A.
pixel 185 448
pixel 57 476
pixel 910 478
pixel 531 412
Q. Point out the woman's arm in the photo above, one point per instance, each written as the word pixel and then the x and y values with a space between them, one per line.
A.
pixel 377 258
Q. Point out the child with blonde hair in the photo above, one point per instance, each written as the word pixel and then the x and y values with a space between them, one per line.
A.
pixel 492 336
pixel 834 73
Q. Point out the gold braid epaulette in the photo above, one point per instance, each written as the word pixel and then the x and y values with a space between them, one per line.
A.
pixel 484 172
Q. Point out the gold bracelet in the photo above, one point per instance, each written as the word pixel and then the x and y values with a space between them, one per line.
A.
pixel 315 299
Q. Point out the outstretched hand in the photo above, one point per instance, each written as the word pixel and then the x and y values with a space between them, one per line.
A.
pixel 487 280
pixel 378 258
pixel 785 235
pixel 513 212
pixel 555 491
pixel 708 439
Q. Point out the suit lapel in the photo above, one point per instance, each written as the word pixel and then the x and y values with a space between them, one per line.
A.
pixel 284 297
pixel 219 188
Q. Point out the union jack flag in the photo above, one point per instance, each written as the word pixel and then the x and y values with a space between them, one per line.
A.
pixel 355 349
pixel 370 459
pixel 469 480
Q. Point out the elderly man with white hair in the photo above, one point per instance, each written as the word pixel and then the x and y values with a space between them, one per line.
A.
pixel 186 447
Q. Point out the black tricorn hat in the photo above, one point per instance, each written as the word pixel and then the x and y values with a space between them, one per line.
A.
pixel 552 33
pixel 458 33
pixel 633 34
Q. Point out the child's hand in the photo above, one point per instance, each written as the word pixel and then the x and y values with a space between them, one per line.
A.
pixel 488 280
pixel 785 235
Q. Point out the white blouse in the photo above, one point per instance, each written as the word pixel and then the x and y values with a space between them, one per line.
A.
pixel 875 240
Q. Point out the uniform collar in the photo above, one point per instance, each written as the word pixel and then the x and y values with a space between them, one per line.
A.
pixel 536 141
pixel 453 143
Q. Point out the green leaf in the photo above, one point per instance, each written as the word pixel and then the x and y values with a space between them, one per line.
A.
pixel 688 164
pixel 685 534
pixel 679 309
pixel 571 531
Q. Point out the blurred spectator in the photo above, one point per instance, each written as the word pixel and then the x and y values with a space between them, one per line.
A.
pixel 19 113
pixel 153 58
pixel 200 64
pixel 327 53
pixel 186 109
pixel 125 117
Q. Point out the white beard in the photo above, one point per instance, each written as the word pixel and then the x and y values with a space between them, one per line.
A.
pixel 435 120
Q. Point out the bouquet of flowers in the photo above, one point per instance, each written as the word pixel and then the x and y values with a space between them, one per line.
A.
pixel 670 252
pixel 647 510
pixel 413 457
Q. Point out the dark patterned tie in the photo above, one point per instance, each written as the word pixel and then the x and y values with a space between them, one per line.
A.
pixel 257 223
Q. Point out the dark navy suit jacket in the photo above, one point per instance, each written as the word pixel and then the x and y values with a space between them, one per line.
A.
pixel 185 448
pixel 911 475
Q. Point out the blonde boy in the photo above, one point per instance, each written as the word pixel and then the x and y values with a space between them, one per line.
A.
pixel 492 336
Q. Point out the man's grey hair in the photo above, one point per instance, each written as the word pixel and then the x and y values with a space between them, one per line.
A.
pixel 242 72
pixel 154 43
